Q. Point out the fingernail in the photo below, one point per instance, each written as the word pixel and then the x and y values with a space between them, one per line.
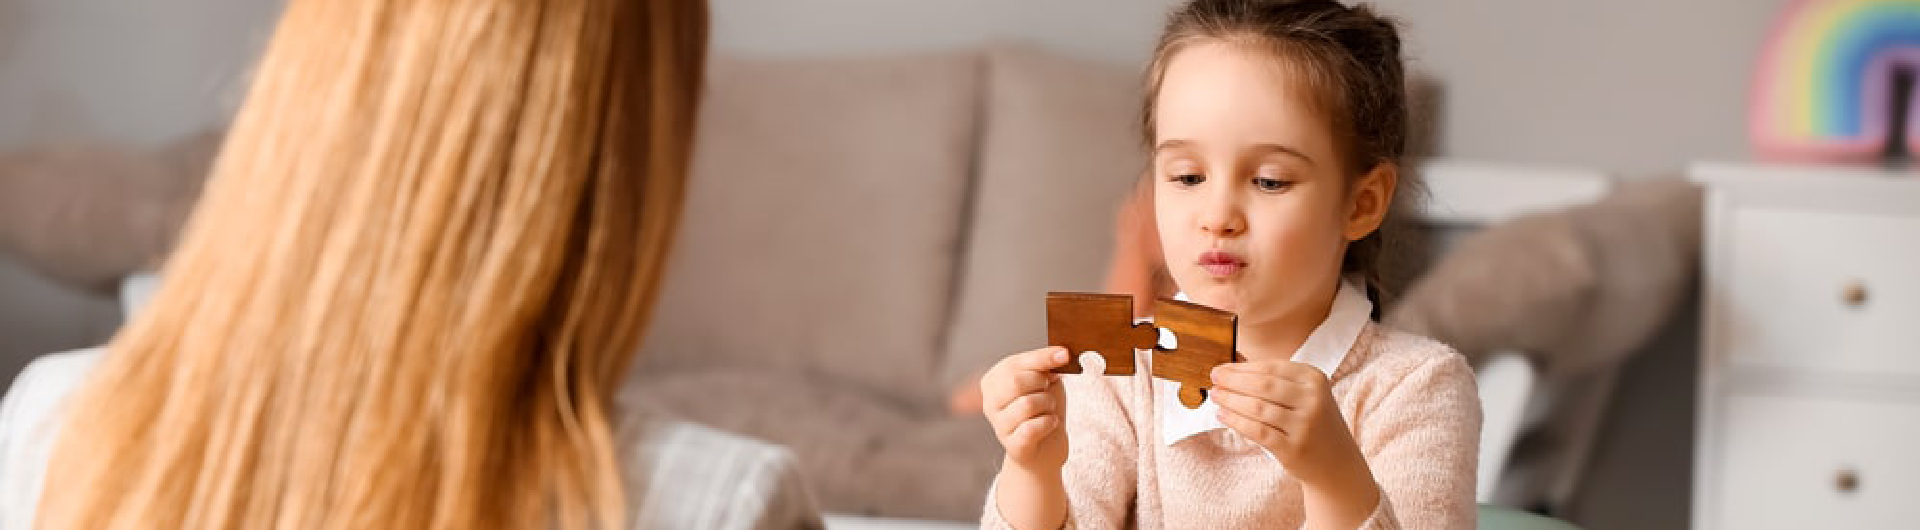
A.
pixel 1060 355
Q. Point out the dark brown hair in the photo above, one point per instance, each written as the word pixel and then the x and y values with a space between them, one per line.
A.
pixel 1348 60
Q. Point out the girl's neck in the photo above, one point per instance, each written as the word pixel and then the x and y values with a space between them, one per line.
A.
pixel 1278 337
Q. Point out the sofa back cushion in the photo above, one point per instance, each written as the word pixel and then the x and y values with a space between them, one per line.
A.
pixel 1059 153
pixel 822 220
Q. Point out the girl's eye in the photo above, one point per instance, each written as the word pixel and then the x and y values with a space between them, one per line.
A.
pixel 1271 184
pixel 1188 179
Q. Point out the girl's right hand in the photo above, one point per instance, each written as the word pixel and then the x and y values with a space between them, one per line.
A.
pixel 1027 406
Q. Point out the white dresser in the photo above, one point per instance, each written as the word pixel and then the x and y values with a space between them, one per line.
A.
pixel 1810 375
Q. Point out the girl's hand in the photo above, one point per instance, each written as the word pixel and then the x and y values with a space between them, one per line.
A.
pixel 1288 408
pixel 1027 406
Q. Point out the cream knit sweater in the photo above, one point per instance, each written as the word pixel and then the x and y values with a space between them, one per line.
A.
pixel 1410 402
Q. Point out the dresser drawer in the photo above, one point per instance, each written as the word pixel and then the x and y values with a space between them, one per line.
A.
pixel 1798 462
pixel 1807 290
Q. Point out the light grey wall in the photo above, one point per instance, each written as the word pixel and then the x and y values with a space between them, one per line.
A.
pixel 133 71
pixel 1635 86
pixel 1631 85
pixel 1116 30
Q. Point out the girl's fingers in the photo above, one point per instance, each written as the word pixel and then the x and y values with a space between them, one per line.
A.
pixel 1029 405
pixel 1041 360
pixel 1257 384
pixel 1021 373
pixel 1254 407
pixel 1029 433
pixel 1260 432
pixel 1297 372
pixel 1028 382
pixel 1020 383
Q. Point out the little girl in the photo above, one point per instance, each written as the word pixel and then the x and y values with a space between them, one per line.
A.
pixel 1276 128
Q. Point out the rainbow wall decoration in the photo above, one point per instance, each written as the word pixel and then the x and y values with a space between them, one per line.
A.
pixel 1824 88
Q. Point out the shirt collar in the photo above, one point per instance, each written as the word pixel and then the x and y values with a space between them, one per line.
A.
pixel 1324 348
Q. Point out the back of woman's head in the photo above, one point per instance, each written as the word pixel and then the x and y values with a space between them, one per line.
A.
pixel 424 258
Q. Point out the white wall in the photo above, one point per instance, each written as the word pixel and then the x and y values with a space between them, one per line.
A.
pixel 1117 30
pixel 1630 85
pixel 133 71
pixel 1635 86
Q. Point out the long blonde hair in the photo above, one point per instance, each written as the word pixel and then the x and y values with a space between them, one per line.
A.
pixel 423 261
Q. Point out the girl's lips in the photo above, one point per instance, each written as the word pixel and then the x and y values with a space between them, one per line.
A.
pixel 1221 263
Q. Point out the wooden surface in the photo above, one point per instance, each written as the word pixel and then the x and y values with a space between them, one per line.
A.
pixel 1099 323
pixel 1103 323
pixel 1205 337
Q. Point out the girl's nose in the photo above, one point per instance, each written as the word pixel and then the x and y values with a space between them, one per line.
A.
pixel 1223 219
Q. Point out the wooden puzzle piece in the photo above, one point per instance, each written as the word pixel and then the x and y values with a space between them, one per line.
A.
pixel 1099 323
pixel 1103 324
pixel 1205 337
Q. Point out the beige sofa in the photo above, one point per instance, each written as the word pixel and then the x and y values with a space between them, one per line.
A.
pixel 860 235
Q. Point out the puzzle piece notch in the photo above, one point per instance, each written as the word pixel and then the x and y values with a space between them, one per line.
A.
pixel 1205 338
pixel 1100 323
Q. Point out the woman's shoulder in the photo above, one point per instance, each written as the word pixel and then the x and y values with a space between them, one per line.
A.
pixel 686 475
pixel 28 423
pixel 42 386
pixel 57 371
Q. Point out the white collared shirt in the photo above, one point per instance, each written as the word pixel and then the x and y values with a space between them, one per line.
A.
pixel 1323 349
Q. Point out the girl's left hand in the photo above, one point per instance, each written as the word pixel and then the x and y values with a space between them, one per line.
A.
pixel 1288 408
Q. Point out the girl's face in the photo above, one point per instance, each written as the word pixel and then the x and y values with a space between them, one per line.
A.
pixel 1253 205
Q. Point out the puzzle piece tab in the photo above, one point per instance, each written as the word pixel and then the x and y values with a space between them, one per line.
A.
pixel 1204 338
pixel 1099 323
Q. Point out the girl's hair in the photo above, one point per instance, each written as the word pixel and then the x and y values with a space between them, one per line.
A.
pixel 425 256
pixel 1348 60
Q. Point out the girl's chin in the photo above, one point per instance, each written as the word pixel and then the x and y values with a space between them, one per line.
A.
pixel 1217 297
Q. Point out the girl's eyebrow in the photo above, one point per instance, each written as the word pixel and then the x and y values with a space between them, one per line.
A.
pixel 1261 148
pixel 1277 148
pixel 1171 144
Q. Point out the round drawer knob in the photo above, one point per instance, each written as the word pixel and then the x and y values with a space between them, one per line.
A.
pixel 1847 481
pixel 1854 294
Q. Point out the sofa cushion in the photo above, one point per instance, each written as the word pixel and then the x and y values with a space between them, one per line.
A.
pixel 1060 150
pixel 1521 285
pixel 87 215
pixel 822 220
pixel 1578 290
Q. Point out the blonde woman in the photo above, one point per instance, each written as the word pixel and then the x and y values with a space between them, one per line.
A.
pixel 425 256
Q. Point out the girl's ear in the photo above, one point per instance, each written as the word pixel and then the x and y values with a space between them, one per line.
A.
pixel 1370 200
